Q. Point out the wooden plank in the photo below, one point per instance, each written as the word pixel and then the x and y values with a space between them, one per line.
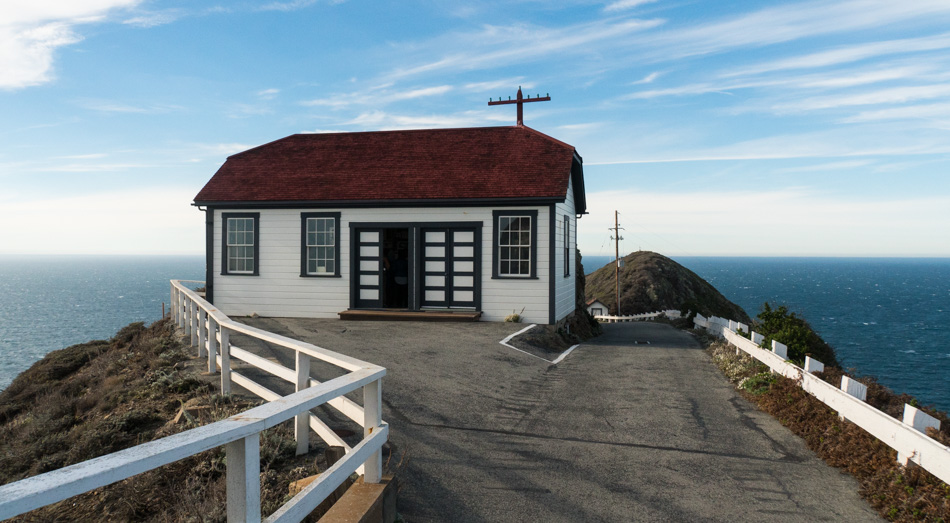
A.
pixel 433 316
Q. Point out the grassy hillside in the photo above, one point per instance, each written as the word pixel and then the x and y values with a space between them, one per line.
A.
pixel 651 282
pixel 99 397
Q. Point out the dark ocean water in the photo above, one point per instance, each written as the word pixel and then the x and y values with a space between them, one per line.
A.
pixel 885 317
pixel 52 302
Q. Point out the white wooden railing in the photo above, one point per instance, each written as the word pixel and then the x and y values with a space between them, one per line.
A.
pixel 209 329
pixel 907 436
pixel 672 314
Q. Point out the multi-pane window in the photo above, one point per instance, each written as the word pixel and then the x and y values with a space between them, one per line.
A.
pixel 567 246
pixel 514 245
pixel 321 246
pixel 240 245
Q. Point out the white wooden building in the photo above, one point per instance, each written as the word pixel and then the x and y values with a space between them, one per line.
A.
pixel 479 219
pixel 597 308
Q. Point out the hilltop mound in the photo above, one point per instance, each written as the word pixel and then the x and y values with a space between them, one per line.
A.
pixel 651 282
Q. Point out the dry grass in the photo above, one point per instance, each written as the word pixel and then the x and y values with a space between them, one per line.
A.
pixel 896 492
pixel 96 398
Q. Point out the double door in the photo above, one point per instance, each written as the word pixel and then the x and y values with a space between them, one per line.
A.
pixel 443 267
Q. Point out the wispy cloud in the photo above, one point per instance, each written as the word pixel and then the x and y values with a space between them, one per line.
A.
pixel 294 5
pixel 154 18
pixel 378 96
pixel 109 106
pixel 497 46
pixel 791 22
pixel 881 96
pixel 623 5
pixel 91 156
pixel 391 121
pixel 268 94
pixel 648 79
pixel 848 54
pixel 507 84
pixel 30 32
pixel 829 166
pixel 922 112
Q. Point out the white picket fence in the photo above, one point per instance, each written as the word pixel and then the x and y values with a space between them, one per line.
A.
pixel 672 314
pixel 209 330
pixel 907 437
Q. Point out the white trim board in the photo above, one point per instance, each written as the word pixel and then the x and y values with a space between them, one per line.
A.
pixel 557 360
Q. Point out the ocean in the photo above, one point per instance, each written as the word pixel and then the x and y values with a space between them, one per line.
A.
pixel 52 302
pixel 885 317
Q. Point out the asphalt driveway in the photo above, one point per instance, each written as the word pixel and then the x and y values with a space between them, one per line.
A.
pixel 636 425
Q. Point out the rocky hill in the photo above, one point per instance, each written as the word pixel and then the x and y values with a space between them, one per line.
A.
pixel 651 282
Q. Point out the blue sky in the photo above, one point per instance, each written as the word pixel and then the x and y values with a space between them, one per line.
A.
pixel 814 128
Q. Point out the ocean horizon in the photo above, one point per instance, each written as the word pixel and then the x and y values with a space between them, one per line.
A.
pixel 885 317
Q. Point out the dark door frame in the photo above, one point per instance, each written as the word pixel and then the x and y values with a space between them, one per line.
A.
pixel 415 268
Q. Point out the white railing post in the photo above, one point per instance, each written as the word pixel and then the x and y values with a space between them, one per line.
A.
pixel 212 346
pixel 179 305
pixel 225 362
pixel 202 328
pixel 193 320
pixel 244 479
pixel 302 426
pixel 372 419
pixel 171 302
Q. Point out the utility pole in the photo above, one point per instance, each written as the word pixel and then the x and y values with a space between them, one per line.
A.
pixel 616 238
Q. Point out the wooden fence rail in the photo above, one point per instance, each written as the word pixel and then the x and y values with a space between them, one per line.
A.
pixel 907 437
pixel 209 329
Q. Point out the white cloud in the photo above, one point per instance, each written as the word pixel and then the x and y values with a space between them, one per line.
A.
pixel 31 32
pixel 497 46
pixel 109 106
pixel 848 54
pixel 648 79
pixel 154 19
pixel 268 94
pixel 922 112
pixel 791 22
pixel 623 5
pixel 377 96
pixel 508 85
pixel 892 95
pixel 380 120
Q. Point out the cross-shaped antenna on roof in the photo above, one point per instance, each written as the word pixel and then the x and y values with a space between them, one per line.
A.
pixel 520 101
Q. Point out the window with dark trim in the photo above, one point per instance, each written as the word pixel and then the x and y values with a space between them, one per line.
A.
pixel 514 244
pixel 240 245
pixel 567 246
pixel 320 244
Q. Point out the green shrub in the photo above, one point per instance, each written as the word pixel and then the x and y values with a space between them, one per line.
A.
pixel 792 330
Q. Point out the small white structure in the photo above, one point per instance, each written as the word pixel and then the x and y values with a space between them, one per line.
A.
pixel 597 308
pixel 479 219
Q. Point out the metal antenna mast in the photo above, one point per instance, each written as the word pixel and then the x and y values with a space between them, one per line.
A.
pixel 520 100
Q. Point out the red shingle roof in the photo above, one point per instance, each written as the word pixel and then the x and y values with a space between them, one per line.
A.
pixel 444 164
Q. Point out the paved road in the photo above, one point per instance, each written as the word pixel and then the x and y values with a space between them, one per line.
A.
pixel 618 431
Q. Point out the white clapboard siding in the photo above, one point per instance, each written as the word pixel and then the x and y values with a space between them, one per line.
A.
pixel 279 290
pixel 564 286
